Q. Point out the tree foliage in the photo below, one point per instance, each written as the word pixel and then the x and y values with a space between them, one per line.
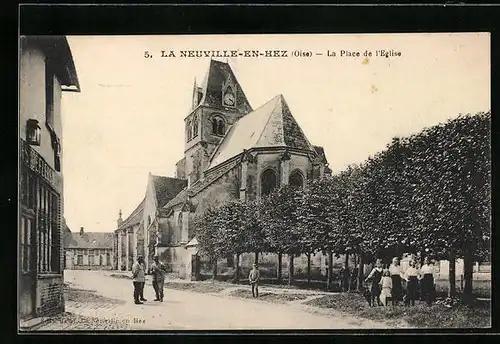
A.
pixel 429 192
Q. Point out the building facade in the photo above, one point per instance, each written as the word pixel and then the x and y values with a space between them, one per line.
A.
pixel 231 152
pixel 46 70
pixel 89 251
pixel 138 234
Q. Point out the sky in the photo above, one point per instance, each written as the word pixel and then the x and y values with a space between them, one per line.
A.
pixel 128 120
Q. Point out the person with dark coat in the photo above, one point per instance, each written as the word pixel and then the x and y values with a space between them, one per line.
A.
pixel 427 281
pixel 375 276
pixel 158 271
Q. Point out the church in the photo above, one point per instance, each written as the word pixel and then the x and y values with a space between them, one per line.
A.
pixel 232 151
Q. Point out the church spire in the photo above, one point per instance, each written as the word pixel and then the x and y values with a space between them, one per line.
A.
pixel 120 220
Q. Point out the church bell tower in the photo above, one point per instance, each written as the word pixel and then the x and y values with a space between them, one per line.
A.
pixel 216 105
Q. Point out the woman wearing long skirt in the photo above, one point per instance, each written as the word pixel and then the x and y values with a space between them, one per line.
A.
pixel 396 275
pixel 411 276
pixel 427 281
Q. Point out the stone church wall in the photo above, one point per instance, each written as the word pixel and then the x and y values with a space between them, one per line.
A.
pixel 219 192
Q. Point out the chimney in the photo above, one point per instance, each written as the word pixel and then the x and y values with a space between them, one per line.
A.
pixel 120 220
pixel 81 230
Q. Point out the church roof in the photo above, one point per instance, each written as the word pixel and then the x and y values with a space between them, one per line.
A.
pixel 218 74
pixel 89 240
pixel 135 217
pixel 271 125
pixel 167 188
pixel 180 198
pixel 321 152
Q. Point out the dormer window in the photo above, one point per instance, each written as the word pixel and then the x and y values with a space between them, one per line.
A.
pixel 218 126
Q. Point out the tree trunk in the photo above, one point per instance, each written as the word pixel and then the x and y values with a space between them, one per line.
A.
pixel 308 268
pixel 468 273
pixel 329 278
pixel 452 278
pixel 361 272
pixel 345 279
pixel 280 258
pixel 256 258
pixel 290 269
pixel 214 268
pixel 237 268
pixel 421 258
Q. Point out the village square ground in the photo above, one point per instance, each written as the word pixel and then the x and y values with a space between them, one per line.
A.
pixel 102 300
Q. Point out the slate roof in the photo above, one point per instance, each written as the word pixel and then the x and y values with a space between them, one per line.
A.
pixel 321 152
pixel 218 73
pixel 90 240
pixel 212 177
pixel 66 234
pixel 167 188
pixel 271 125
pixel 135 217
pixel 180 198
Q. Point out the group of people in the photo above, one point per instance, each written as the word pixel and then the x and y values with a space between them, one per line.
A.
pixel 158 271
pixel 387 283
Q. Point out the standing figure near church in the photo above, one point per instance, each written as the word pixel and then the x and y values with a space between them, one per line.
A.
pixel 158 271
pixel 139 279
pixel 253 278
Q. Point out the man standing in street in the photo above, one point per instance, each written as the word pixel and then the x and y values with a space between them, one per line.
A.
pixel 253 278
pixel 158 270
pixel 139 279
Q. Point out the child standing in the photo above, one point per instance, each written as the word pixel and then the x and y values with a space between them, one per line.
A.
pixel 386 287
pixel 375 275
pixel 253 278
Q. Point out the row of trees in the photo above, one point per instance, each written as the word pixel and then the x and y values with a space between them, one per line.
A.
pixel 428 193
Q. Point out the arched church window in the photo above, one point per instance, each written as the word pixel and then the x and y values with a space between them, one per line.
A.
pixel 296 180
pixel 218 126
pixel 195 127
pixel 189 131
pixel 179 227
pixel 269 181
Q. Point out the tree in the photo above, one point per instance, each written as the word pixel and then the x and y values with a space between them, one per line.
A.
pixel 452 163
pixel 282 231
pixel 208 232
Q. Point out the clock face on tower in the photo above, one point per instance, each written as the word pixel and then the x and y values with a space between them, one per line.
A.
pixel 229 99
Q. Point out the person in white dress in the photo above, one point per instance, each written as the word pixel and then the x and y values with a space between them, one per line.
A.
pixel 386 287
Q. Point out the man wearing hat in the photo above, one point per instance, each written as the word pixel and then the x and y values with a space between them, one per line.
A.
pixel 139 280
pixel 158 270
pixel 253 278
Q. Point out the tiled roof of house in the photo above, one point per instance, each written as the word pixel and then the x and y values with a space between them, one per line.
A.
pixel 135 217
pixel 271 125
pixel 66 234
pixel 167 188
pixel 218 74
pixel 90 240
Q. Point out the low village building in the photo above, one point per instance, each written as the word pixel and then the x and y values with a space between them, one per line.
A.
pixel 231 152
pixel 89 251
pixel 46 69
